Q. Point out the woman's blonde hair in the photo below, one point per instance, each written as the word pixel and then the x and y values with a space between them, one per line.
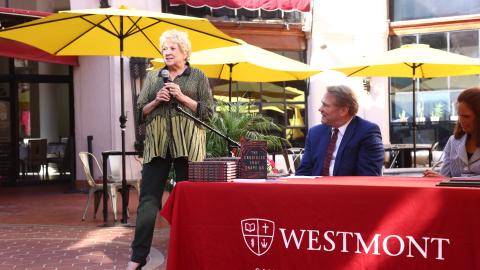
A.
pixel 178 37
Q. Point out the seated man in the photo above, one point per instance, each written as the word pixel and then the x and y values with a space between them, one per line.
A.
pixel 344 144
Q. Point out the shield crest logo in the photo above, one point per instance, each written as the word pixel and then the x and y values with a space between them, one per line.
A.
pixel 258 234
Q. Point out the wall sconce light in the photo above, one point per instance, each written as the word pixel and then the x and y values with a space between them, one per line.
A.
pixel 366 84
pixel 104 4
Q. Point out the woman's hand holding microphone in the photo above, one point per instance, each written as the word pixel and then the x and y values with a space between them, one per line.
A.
pixel 174 91
pixel 163 95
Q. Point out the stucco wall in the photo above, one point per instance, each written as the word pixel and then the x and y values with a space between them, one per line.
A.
pixel 343 31
pixel 97 96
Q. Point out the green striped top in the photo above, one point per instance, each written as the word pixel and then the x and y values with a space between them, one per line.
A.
pixel 168 129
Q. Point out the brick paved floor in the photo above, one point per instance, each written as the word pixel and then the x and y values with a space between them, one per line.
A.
pixel 41 228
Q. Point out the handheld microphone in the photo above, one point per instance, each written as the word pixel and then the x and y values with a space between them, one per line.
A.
pixel 165 74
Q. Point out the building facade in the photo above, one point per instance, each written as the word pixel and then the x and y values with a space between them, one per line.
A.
pixel 332 33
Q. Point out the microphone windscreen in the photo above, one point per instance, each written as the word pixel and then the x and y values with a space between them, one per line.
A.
pixel 165 75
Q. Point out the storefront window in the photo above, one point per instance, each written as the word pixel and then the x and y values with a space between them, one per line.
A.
pixel 26 108
pixel 4 91
pixel 434 40
pixel 36 5
pixel 35 99
pixel 464 43
pixel 5 141
pixel 241 14
pixel 5 122
pixel 284 102
pixel 436 112
pixel 4 66
pixel 43 110
pixel 23 66
pixel 402 10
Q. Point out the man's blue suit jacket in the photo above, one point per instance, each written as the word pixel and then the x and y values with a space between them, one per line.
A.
pixel 360 152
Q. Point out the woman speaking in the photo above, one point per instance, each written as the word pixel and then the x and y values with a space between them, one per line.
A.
pixel 170 137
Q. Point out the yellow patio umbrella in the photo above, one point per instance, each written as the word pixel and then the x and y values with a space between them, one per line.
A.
pixel 246 107
pixel 253 90
pixel 247 63
pixel 413 61
pixel 223 98
pixel 296 120
pixel 113 32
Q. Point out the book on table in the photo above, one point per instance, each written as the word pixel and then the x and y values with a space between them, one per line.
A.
pixel 462 181
pixel 212 170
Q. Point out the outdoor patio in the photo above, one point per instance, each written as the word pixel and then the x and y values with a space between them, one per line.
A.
pixel 41 228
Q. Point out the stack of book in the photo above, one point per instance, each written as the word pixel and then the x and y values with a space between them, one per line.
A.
pixel 212 171
pixel 234 159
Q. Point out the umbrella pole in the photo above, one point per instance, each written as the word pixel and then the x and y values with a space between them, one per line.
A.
pixel 230 84
pixel 414 122
pixel 123 121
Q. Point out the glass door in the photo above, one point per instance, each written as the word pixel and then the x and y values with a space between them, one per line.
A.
pixel 44 114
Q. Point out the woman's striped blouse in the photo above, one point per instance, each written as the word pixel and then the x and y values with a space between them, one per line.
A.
pixel 168 129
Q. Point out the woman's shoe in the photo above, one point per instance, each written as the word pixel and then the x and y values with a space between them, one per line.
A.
pixel 139 267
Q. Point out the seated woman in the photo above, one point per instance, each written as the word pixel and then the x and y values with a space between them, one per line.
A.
pixel 462 152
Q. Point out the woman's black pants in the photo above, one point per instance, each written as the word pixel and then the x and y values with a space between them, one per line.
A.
pixel 154 177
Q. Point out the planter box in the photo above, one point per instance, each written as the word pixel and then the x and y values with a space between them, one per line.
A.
pixel 420 119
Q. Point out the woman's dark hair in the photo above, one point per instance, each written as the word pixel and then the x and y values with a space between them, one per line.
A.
pixel 471 98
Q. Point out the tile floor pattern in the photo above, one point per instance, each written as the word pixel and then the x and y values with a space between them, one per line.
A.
pixel 40 228
pixel 70 247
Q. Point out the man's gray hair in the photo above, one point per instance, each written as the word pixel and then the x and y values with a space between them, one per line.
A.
pixel 178 37
pixel 344 97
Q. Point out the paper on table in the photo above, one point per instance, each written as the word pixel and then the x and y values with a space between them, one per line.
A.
pixel 301 177
pixel 242 180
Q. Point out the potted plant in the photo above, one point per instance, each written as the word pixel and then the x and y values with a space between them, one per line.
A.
pixel 437 112
pixel 403 117
pixel 237 122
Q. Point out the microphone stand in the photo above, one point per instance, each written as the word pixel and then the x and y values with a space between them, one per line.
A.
pixel 231 143
pixel 164 73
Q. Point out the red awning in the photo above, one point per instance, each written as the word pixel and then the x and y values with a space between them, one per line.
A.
pixel 14 49
pixel 285 5
pixel 23 12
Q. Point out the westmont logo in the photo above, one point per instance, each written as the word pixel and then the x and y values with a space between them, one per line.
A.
pixel 259 234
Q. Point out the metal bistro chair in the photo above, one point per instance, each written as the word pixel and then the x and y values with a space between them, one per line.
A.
pixel 96 189
pixel 37 156
pixel 59 154
pixel 115 163
pixel 292 157
pixel 425 157
pixel 393 154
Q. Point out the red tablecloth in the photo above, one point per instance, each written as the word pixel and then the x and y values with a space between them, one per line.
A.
pixel 325 223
